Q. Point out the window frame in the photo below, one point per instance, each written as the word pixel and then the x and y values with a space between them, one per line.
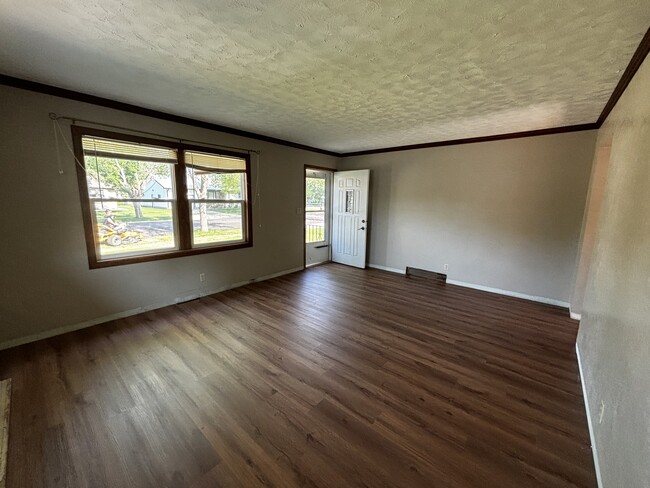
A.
pixel 189 167
pixel 326 212
pixel 181 209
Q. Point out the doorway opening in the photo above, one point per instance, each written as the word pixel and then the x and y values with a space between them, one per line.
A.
pixel 318 189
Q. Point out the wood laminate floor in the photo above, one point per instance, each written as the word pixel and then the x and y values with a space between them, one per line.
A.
pixel 329 377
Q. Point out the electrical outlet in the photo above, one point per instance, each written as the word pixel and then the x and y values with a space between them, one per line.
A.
pixel 602 412
pixel 201 277
pixel 445 267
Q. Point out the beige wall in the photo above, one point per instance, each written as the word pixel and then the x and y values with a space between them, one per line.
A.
pixel 45 282
pixel 614 335
pixel 504 214
pixel 590 226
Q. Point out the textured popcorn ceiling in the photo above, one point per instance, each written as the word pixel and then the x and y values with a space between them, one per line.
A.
pixel 340 75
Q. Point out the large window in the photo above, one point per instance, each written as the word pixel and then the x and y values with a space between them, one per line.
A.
pixel 146 199
pixel 216 190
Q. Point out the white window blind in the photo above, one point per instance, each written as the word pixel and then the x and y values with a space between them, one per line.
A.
pixel 214 162
pixel 107 148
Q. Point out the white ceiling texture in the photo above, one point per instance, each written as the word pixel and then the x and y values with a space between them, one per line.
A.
pixel 342 75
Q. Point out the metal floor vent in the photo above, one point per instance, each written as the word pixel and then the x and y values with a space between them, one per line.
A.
pixel 423 273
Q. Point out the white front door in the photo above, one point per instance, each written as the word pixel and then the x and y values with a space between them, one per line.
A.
pixel 350 217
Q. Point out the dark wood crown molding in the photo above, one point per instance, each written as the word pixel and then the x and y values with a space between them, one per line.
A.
pixel 135 109
pixel 633 66
pixel 472 140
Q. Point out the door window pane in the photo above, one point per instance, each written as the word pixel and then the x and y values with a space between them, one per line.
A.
pixel 349 201
pixel 315 191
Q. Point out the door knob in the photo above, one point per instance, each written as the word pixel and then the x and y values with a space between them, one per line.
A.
pixel 362 228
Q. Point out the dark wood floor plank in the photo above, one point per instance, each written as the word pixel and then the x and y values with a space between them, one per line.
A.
pixel 325 378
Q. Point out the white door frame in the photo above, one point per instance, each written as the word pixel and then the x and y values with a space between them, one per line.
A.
pixel 328 203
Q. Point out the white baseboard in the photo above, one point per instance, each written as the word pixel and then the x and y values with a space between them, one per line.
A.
pixel 255 280
pixel 599 479
pixel 127 313
pixel 550 301
pixel 386 268
pixel 575 316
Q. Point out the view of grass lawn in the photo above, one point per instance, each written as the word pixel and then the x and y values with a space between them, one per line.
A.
pixel 211 236
pixel 314 234
pixel 155 229
pixel 158 243
pixel 236 210
pixel 162 243
pixel 126 213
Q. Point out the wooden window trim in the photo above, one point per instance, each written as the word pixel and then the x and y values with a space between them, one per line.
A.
pixel 182 209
